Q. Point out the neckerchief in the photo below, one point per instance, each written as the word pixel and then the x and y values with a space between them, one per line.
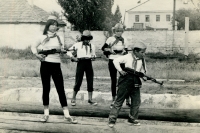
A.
pixel 49 36
pixel 86 48
pixel 135 63
pixel 118 38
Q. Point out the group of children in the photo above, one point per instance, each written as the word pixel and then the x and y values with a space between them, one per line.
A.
pixel 114 48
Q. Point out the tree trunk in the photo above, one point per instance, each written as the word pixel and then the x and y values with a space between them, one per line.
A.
pixel 176 115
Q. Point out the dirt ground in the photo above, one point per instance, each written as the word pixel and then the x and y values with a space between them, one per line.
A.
pixel 103 85
pixel 26 123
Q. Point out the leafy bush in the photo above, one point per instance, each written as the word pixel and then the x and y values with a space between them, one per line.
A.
pixel 11 53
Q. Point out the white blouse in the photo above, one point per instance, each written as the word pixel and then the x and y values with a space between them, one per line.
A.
pixel 53 43
pixel 81 50
pixel 129 61
pixel 118 46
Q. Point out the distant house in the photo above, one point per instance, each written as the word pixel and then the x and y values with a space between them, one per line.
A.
pixel 154 14
pixel 21 23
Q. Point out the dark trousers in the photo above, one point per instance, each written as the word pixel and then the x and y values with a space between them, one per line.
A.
pixel 126 87
pixel 84 66
pixel 48 70
pixel 113 76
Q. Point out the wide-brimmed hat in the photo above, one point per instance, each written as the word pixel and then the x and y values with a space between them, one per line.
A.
pixel 140 45
pixel 86 35
pixel 52 17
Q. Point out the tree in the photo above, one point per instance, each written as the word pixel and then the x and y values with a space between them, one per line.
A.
pixel 111 20
pixel 117 15
pixel 54 13
pixel 86 14
pixel 194 17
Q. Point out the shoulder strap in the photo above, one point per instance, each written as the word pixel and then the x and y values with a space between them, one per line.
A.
pixel 117 40
pixel 90 48
pixel 59 40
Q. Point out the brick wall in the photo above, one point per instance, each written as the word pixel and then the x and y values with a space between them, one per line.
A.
pixel 21 36
pixel 157 41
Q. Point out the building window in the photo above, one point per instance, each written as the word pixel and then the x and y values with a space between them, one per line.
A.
pixel 147 18
pixel 167 17
pixel 137 19
pixel 157 18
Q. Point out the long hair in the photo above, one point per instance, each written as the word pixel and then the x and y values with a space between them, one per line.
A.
pixel 49 22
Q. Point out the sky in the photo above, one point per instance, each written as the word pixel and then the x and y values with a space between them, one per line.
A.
pixel 52 5
pixel 124 5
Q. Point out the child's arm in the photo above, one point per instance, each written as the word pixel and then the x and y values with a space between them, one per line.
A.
pixel 93 54
pixel 117 63
pixel 73 48
pixel 34 47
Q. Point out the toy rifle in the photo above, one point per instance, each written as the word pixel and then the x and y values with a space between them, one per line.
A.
pixel 85 58
pixel 140 74
pixel 52 51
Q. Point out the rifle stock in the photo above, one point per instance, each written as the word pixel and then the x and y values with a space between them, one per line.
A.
pixel 132 71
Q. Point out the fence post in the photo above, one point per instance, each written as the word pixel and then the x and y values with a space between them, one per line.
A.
pixel 186 35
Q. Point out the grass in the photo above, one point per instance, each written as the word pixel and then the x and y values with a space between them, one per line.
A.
pixel 23 63
pixel 6 52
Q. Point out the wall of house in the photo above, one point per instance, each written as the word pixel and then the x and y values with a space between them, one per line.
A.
pixel 161 24
pixel 20 36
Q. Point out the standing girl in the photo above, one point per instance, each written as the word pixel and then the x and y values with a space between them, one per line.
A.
pixel 50 67
pixel 113 48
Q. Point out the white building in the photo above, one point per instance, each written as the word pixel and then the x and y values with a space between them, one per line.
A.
pixel 21 22
pixel 154 14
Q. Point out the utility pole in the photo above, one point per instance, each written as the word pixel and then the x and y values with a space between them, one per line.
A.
pixel 174 14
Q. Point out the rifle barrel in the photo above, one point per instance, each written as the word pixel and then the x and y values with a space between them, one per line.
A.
pixel 154 80
pixel 52 51
pixel 132 71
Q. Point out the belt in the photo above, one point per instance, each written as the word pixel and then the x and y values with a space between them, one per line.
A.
pixel 84 58
pixel 118 51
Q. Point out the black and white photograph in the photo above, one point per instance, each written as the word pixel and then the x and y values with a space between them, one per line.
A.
pixel 100 66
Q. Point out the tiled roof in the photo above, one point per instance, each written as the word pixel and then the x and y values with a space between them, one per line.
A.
pixel 20 11
pixel 161 5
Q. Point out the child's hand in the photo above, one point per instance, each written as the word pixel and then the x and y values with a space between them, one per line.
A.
pixel 62 51
pixel 74 59
pixel 111 51
pixel 41 57
pixel 124 52
pixel 93 57
pixel 140 74
pixel 122 73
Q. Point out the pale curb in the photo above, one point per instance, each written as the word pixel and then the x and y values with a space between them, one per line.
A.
pixel 96 77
